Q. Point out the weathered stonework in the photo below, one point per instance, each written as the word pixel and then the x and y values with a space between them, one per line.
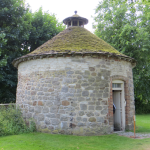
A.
pixel 73 95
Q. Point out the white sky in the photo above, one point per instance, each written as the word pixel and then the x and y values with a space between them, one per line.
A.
pixel 65 8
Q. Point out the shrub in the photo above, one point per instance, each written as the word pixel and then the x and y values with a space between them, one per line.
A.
pixel 12 122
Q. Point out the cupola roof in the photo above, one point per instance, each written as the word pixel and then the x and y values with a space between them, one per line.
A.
pixel 75 20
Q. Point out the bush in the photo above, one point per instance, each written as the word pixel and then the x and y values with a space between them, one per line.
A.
pixel 12 122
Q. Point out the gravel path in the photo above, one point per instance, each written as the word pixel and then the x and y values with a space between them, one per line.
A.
pixel 131 134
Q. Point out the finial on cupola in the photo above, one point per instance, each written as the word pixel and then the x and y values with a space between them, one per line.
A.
pixel 75 12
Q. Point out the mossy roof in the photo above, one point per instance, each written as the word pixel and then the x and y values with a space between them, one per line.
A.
pixel 73 40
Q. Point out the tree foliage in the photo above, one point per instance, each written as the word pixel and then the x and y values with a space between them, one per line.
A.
pixel 3 41
pixel 43 27
pixel 127 28
pixel 21 31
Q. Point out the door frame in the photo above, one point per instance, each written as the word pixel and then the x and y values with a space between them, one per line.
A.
pixel 123 102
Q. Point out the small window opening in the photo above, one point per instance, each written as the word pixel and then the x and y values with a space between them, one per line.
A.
pixel 69 23
pixel 116 85
pixel 75 23
pixel 81 23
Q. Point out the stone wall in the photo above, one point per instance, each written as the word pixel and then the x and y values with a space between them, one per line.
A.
pixel 71 95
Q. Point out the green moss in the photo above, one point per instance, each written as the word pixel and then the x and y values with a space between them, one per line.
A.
pixel 55 131
pixel 75 39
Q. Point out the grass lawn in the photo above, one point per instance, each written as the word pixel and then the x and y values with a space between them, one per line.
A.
pixel 143 123
pixel 43 141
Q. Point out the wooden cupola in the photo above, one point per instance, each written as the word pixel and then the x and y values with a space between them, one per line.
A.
pixel 75 20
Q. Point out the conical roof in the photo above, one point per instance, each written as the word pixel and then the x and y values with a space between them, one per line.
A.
pixel 73 40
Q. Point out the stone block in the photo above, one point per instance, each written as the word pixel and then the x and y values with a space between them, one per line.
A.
pixel 100 119
pixel 80 124
pixel 49 115
pixel 47 121
pixel 50 127
pixel 40 93
pixel 45 89
pixel 40 97
pixel 98 95
pixel 78 72
pixel 91 79
pixel 89 114
pixel 34 103
pixel 54 109
pixel 78 90
pixel 55 121
pixel 85 93
pixel 64 125
pixel 85 84
pixel 98 103
pixel 78 86
pixel 103 102
pixel 78 119
pixel 48 103
pixel 40 103
pixel 81 113
pixel 64 89
pixel 98 108
pixel 91 68
pixel 105 95
pixel 40 117
pixel 67 80
pixel 72 125
pixel 89 88
pixel 45 109
pixel 83 106
pixel 72 90
pixel 91 103
pixel 91 108
pixel 31 109
pixel 98 79
pixel 65 103
pixel 87 73
pixel 37 109
pixel 70 72
pixel 45 98
pixel 70 108
pixel 84 119
pixel 33 92
pixel 104 111
pixel 93 73
pixel 73 104
pixel 92 119
pixel 64 118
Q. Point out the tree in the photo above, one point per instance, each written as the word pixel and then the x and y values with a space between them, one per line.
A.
pixel 44 27
pixel 3 60
pixel 24 31
pixel 127 28
pixel 14 23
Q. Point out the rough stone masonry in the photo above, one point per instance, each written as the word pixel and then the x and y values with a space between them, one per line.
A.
pixel 71 95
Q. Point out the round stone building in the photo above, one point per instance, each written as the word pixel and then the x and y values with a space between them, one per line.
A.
pixel 76 83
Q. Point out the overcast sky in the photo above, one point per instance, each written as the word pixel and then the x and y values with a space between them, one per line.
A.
pixel 65 8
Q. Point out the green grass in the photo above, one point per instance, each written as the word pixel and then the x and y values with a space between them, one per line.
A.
pixel 143 123
pixel 43 141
